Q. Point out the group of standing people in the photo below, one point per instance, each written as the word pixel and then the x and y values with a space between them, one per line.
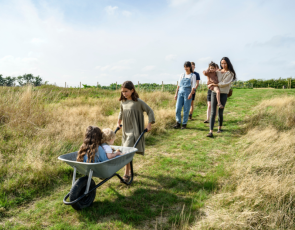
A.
pixel 218 82
pixel 97 143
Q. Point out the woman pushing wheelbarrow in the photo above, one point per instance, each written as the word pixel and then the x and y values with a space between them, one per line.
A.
pixel 96 158
pixel 131 112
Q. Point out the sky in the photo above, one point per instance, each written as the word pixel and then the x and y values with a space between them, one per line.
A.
pixel 110 41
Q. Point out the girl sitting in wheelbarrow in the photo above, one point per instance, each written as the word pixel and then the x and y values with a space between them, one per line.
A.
pixel 95 147
pixel 131 113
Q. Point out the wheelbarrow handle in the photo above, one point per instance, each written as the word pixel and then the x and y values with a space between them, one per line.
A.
pixel 144 131
pixel 118 128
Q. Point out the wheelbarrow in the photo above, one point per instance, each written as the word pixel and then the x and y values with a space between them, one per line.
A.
pixel 83 191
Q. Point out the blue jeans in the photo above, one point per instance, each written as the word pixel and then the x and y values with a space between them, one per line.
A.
pixel 182 101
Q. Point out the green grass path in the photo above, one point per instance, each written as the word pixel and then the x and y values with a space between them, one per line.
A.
pixel 181 167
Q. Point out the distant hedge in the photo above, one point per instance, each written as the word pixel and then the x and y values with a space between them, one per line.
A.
pixel 21 80
pixel 272 83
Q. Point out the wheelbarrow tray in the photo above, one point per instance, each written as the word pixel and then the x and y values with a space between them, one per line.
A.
pixel 102 169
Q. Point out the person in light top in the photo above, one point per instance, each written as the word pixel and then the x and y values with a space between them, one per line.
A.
pixel 183 95
pixel 108 138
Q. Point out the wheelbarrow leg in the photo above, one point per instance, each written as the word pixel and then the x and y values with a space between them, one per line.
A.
pixel 74 176
pixel 89 181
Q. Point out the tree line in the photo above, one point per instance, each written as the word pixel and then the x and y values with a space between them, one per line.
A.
pixel 273 83
pixel 21 80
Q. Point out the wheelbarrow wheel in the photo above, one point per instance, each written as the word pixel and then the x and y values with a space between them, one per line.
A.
pixel 78 190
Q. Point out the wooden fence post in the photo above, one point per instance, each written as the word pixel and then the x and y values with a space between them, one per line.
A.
pixel 65 85
pixel 162 86
pixel 80 84
pixel 97 84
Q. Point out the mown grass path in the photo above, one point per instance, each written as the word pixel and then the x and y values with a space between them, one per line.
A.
pixel 181 168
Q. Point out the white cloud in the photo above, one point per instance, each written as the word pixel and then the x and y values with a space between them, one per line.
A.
pixel 140 75
pixel 104 68
pixel 14 66
pixel 148 68
pixel 126 61
pixel 38 41
pixel 110 9
pixel 170 57
pixel 175 3
pixel 120 67
pixel 126 13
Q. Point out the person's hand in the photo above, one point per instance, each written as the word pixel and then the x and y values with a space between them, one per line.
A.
pixel 119 125
pixel 210 85
pixel 189 96
pixel 149 127
pixel 175 97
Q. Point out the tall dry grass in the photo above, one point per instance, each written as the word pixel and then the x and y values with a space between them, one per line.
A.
pixel 37 125
pixel 260 193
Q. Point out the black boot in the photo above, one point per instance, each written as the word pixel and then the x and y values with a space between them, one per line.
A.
pixel 183 126
pixel 176 126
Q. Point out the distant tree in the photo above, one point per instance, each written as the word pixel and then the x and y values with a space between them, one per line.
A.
pixel 9 81
pixel 37 81
pixel 2 80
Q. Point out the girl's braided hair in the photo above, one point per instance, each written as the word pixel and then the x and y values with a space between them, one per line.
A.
pixel 92 140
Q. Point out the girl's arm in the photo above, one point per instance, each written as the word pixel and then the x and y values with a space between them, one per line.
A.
pixel 109 152
pixel 120 115
pixel 193 88
pixel 206 72
pixel 150 114
pixel 113 155
pixel 176 93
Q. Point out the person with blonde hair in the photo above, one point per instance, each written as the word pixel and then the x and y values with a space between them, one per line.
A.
pixel 108 138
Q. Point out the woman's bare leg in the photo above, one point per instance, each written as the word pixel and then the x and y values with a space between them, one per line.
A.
pixel 217 91
pixel 127 169
pixel 208 110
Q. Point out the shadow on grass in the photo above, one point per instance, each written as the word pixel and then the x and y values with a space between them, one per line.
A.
pixel 146 203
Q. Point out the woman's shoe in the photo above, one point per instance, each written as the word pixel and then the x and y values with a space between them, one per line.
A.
pixel 126 178
pixel 219 131
pixel 210 135
pixel 206 121
pixel 183 126
pixel 176 126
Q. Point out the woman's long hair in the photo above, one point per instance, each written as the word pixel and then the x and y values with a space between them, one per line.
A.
pixel 188 64
pixel 129 85
pixel 229 66
pixel 90 145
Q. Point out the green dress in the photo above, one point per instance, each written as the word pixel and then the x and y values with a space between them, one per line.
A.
pixel 131 112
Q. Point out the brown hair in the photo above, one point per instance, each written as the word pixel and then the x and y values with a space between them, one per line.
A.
pixel 129 85
pixel 193 63
pixel 90 145
pixel 212 64
pixel 216 65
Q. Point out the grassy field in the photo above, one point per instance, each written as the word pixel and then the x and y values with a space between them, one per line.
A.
pixel 185 180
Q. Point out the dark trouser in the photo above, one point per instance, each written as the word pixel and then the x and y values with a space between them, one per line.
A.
pixel 223 99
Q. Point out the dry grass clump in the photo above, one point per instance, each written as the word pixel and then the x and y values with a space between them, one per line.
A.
pixel 260 193
pixel 277 112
